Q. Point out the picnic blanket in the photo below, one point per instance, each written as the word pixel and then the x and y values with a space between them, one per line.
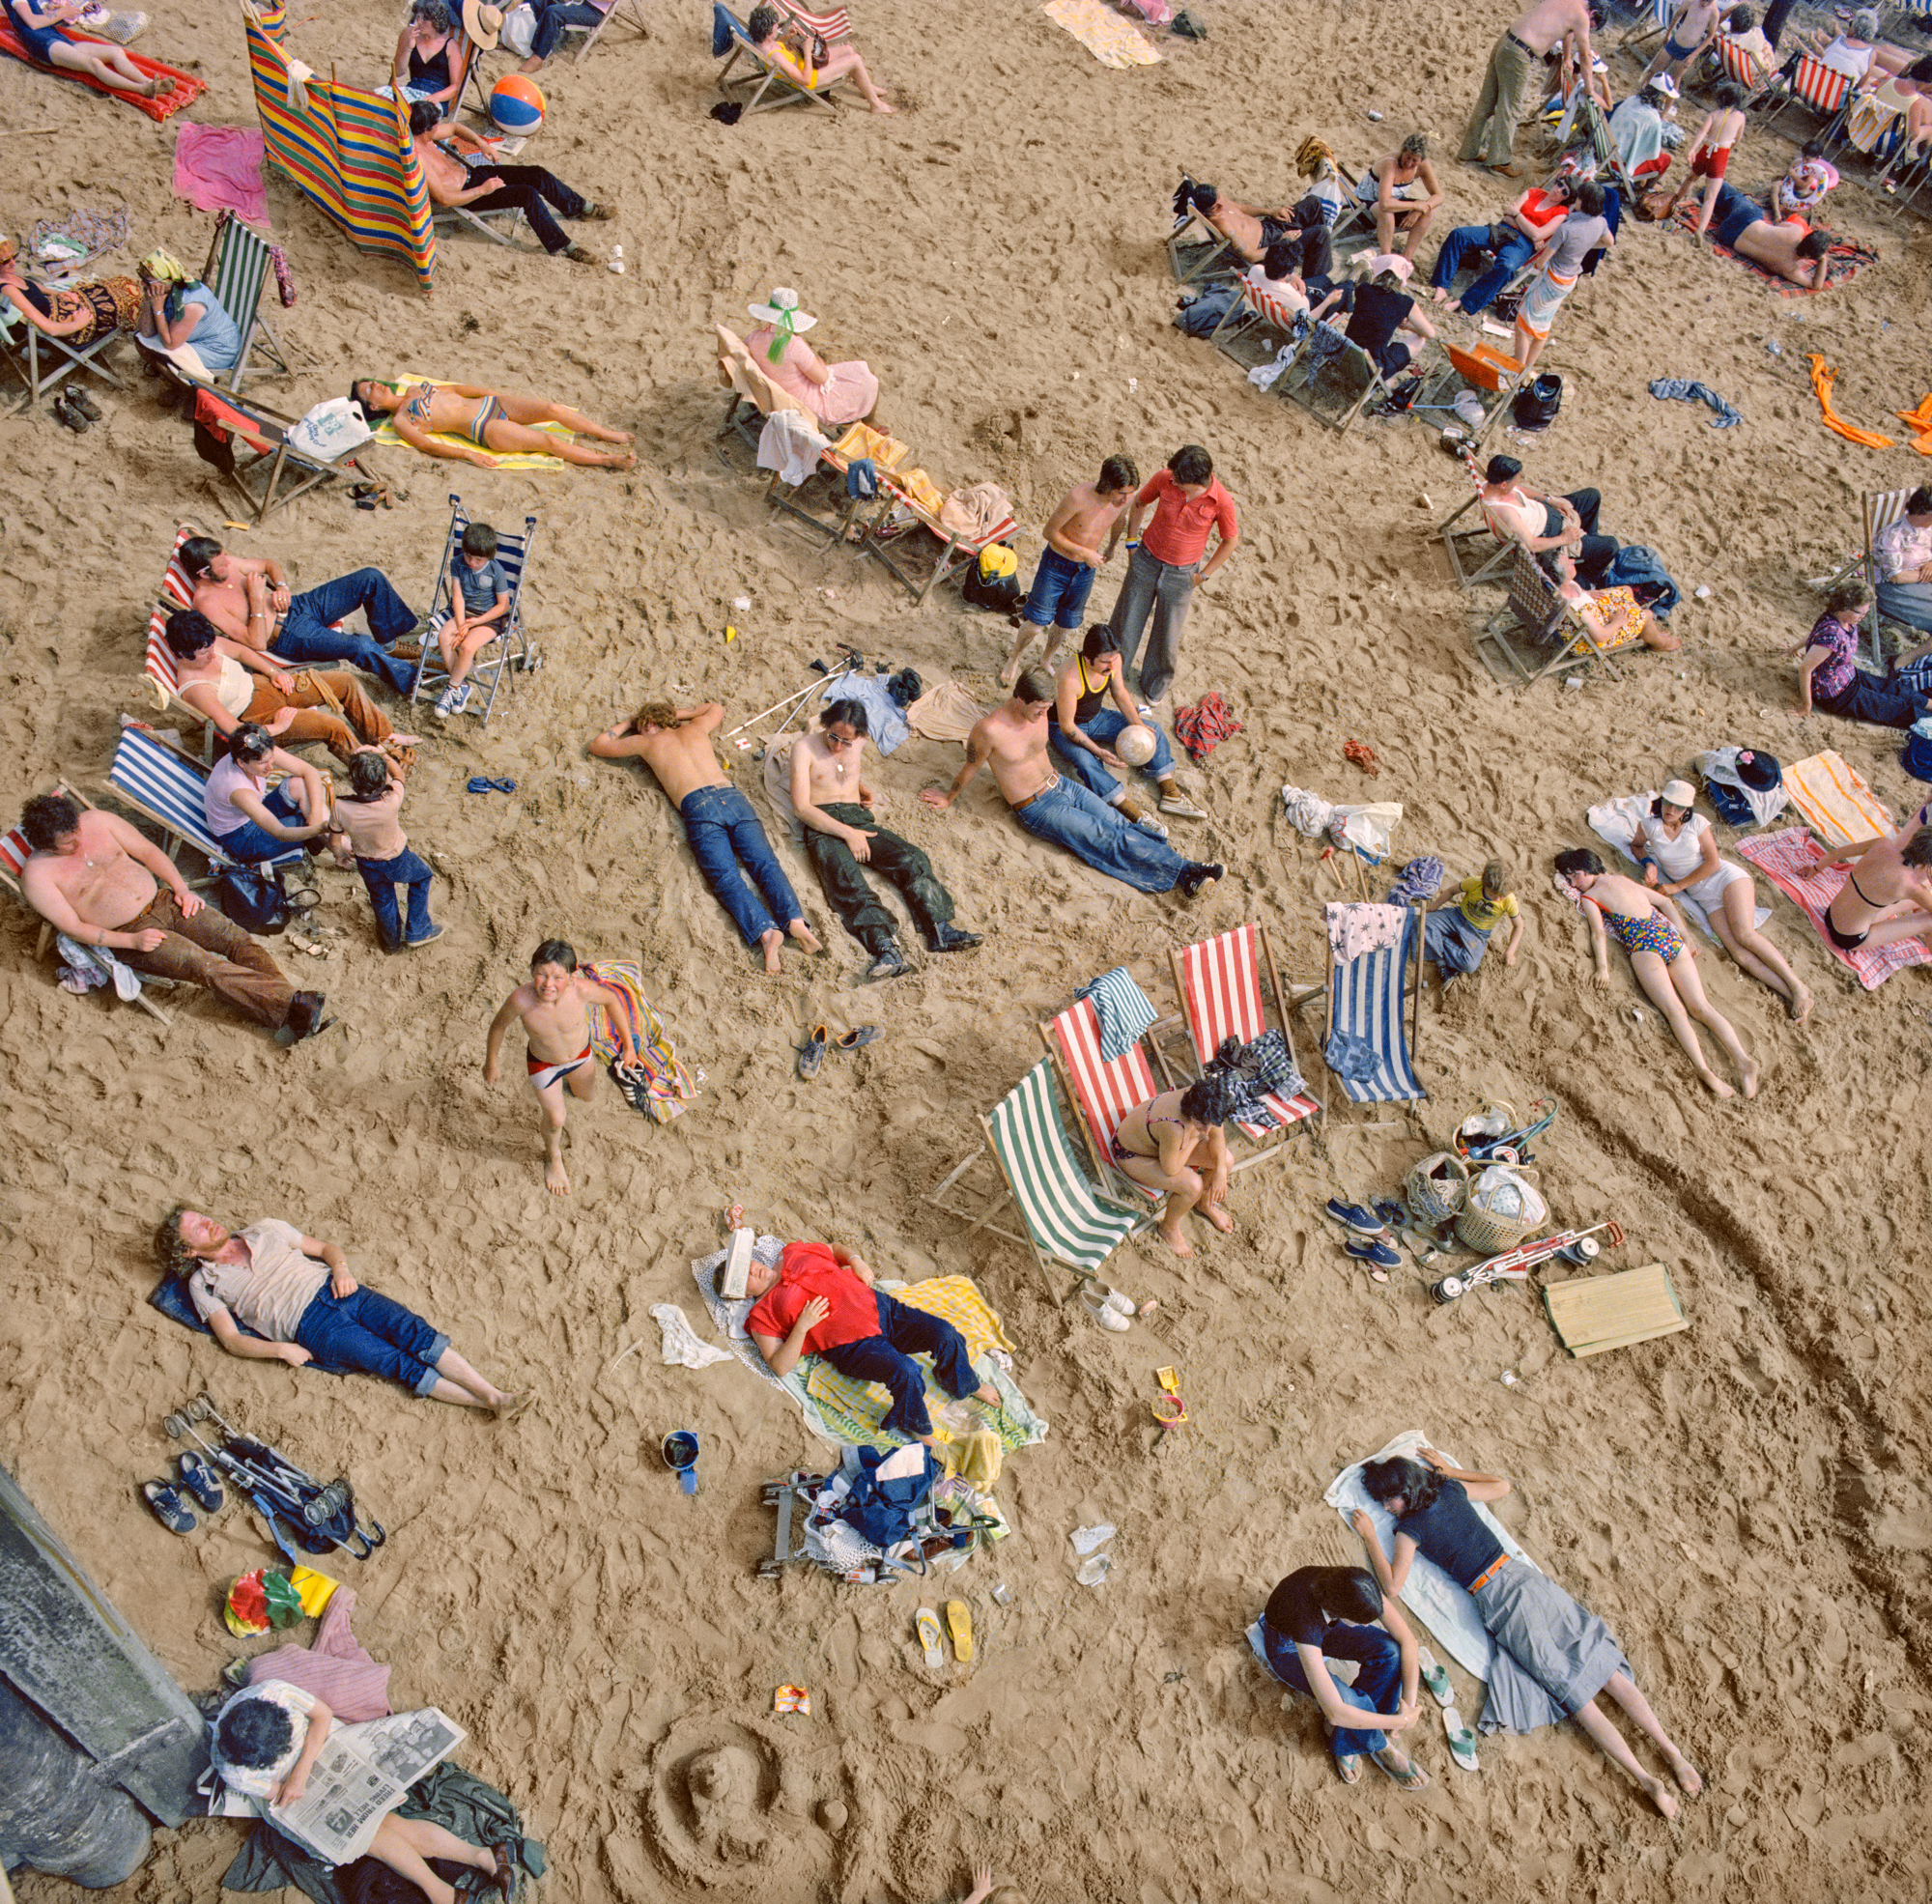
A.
pixel 1112 40
pixel 523 459
pixel 1617 821
pixel 187 88
pixel 666 1085
pixel 1429 1593
pixel 220 168
pixel 847 1414
pixel 1835 802
pixel 1842 263
pixel 1800 869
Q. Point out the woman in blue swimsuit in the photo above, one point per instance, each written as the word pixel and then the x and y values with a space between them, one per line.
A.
pixel 37 23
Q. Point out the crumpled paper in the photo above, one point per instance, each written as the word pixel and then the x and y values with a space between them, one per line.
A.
pixel 681 1345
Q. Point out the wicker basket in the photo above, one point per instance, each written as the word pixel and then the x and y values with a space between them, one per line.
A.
pixel 1486 1232
pixel 1438 1187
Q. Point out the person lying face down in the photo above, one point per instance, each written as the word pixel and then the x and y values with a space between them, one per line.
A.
pixel 821 1300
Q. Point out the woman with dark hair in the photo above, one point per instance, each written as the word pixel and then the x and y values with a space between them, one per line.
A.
pixel 1553 1655
pixel 809 62
pixel 490 419
pixel 1787 246
pixel 1830 678
pixel 39 27
pixel 1175 1143
pixel 425 65
pixel 252 821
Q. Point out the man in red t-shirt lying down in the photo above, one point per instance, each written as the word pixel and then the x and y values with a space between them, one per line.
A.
pixel 821 1300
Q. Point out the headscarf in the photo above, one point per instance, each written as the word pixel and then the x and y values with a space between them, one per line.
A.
pixel 781 312
pixel 165 269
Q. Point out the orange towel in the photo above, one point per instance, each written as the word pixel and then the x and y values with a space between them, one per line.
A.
pixel 1822 376
pixel 1921 421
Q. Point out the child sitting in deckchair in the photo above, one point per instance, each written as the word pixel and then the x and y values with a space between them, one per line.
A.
pixel 479 608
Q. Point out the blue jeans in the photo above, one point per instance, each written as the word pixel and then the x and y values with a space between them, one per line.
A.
pixel 1059 590
pixel 552 19
pixel 1160 589
pixel 1511 256
pixel 725 835
pixel 1378 1661
pixel 306 635
pixel 1090 830
pixel 887 1358
pixel 252 844
pixel 1104 729
pixel 369 1333
pixel 381 878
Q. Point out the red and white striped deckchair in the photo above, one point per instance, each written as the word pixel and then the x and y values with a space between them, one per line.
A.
pixel 831 28
pixel 1253 323
pixel 1818 86
pixel 1105 1091
pixel 1477 552
pixel 1219 982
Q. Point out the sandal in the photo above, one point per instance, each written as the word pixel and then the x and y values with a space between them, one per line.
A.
pixel 1436 1679
pixel 168 1507
pixel 812 1053
pixel 1412 1780
pixel 1348 1768
pixel 1461 1741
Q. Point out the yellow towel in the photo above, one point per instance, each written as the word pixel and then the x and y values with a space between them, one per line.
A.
pixel 516 460
pixel 1837 804
pixel 1111 40
pixel 863 440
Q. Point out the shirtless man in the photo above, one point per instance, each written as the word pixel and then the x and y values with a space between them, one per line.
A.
pixel 1248 228
pixel 1887 893
pixel 1175 1143
pixel 478 184
pixel 1513 60
pixel 1740 225
pixel 1652 930
pixel 1081 537
pixel 1693 26
pixel 1012 740
pixel 829 792
pixel 249 599
pixel 490 419
pixel 727 839
pixel 555 1009
pixel 94 878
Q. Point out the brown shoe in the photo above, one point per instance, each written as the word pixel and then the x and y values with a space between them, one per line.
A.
pixel 578 254
pixel 1505 171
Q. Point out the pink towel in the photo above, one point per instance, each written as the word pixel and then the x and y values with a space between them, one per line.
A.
pixel 1797 866
pixel 219 167
pixel 336 1669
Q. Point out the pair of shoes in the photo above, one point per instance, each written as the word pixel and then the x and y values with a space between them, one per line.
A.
pixel 198 1478
pixel 1104 1313
pixel 578 254
pixel 888 964
pixel 79 399
pixel 430 937
pixel 1358 1217
pixel 1382 1257
pixel 69 414
pixel 1196 878
pixel 1181 808
pixel 409 649
pixel 452 700
pixel 168 1507
pixel 950 938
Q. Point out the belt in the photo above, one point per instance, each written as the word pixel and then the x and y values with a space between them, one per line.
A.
pixel 1523 44
pixel 1036 792
pixel 1488 1574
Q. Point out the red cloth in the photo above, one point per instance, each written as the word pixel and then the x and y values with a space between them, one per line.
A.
pixel 188 89
pixel 336 1669
pixel 1179 531
pixel 219 167
pixel 1204 726
pixel 1541 209
pixel 807 1271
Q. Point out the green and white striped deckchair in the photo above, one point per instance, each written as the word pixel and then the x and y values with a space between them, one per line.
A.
pixel 1067 1220
pixel 239 267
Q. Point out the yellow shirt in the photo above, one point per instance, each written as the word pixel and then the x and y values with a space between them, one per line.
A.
pixel 1482 912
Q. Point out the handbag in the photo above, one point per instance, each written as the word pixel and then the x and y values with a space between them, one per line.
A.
pixel 257 902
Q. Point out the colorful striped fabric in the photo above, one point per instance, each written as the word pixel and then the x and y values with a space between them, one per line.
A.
pixel 1221 997
pixel 187 88
pixel 669 1085
pixel 347 150
pixel 1804 872
pixel 168 789
pixel 1837 804
pixel 1070 1222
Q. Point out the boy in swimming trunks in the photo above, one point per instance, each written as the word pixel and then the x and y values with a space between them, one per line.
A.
pixel 1887 891
pixel 1692 29
pixel 1711 155
pixel 555 1009
pixel 1650 928
pixel 1174 1142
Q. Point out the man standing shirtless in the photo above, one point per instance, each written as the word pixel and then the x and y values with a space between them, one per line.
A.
pixel 842 838
pixel 1081 537
pixel 97 879
pixel 1887 893
pixel 1512 65
pixel 1012 739
pixel 555 1009
pixel 725 834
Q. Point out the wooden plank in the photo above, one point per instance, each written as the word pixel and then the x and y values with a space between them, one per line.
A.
pixel 1593 1313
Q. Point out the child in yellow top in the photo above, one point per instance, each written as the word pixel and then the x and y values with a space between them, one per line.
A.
pixel 1457 933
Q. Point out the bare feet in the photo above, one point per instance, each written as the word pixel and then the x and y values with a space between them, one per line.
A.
pixel 1170 1234
pixel 557 1181
pixel 772 941
pixel 627 459
pixel 1748 1075
pixel 1218 1218
pixel 1655 1791
pixel 1800 1004
pixel 512 1405
pixel 804 935
pixel 1717 1086
pixel 885 107
pixel 1685 1772
pixel 1439 295
pixel 409 740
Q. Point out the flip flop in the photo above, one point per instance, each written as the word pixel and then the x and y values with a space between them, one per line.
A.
pixel 1412 1780
pixel 1436 1679
pixel 199 1479
pixel 482 783
pixel 1348 1768
pixel 925 1624
pixel 1461 1741
pixel 168 1507
pixel 858 1034
pixel 812 1053
pixel 959 1624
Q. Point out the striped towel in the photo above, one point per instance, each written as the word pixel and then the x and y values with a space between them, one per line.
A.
pixel 1837 804
pixel 1123 1009
pixel 1111 40
pixel 1795 864
pixel 667 1085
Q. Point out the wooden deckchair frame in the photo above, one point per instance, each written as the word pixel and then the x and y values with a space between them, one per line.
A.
pixel 1821 90
pixel 766 74
pixel 237 256
pixel 631 10
pixel 23 356
pixel 1488 376
pixel 1302 392
pixel 269 447
pixel 1545 617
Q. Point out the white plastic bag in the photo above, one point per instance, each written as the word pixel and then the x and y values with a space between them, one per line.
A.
pixel 518 30
pixel 331 428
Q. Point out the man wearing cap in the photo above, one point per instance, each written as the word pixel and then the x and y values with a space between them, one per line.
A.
pixel 1541 522
pixel 459 171
pixel 1491 130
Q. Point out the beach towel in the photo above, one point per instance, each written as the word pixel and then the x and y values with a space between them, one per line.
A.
pixel 187 88
pixel 946 712
pixel 1123 1009
pixel 1822 376
pixel 220 168
pixel 1112 40
pixel 523 459
pixel 1921 421
pixel 1429 1593
pixel 1681 390
pixel 1835 802
pixel 1798 867
pixel 1617 821
pixel 66 244
pixel 667 1085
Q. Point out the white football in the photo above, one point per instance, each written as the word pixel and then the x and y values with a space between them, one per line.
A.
pixel 1135 746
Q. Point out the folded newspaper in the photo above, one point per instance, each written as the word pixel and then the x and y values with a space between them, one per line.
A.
pixel 357 1779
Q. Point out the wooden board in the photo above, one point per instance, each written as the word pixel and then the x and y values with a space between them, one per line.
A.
pixel 1591 1314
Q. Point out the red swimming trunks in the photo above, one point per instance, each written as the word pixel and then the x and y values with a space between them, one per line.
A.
pixel 1710 163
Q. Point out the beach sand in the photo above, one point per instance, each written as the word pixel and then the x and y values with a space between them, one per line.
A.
pixel 1746 1503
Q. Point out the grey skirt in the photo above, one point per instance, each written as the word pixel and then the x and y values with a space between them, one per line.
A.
pixel 1553 1655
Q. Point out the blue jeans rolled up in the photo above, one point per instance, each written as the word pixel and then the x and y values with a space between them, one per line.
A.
pixel 1378 1662
pixel 381 878
pixel 369 1333
pixel 1103 729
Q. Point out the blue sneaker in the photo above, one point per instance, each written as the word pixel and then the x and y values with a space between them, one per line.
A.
pixel 1354 1216
pixel 1367 1249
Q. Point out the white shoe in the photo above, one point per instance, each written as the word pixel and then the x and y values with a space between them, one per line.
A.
pixel 1181 809
pixel 1105 1315
pixel 1148 824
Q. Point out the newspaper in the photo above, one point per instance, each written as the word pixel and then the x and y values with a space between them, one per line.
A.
pixel 359 1778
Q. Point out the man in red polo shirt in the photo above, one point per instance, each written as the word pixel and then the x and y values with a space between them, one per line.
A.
pixel 821 1300
pixel 1188 502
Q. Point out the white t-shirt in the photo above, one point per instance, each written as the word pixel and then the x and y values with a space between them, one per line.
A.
pixel 1282 290
pixel 259 1780
pixel 1679 858
pixel 1854 61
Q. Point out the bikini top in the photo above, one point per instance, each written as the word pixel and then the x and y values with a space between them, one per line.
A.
pixel 416 409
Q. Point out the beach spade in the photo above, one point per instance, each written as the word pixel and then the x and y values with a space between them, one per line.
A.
pixel 680 1453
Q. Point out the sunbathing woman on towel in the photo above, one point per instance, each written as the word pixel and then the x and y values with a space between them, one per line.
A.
pixel 37 23
pixel 1554 1656
pixel 1651 930
pixel 490 419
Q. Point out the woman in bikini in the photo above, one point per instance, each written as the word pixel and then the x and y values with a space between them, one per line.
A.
pixel 489 419
pixel 1175 1143
pixel 37 24
pixel 1887 891
pixel 1663 959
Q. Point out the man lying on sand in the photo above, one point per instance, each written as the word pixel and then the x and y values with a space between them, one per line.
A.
pixel 1175 1143
pixel 725 832
pixel 458 170
pixel 296 1293
pixel 555 1009
pixel 97 879
pixel 1789 249
pixel 1051 806
pixel 1888 896
pixel 490 419
pixel 822 1300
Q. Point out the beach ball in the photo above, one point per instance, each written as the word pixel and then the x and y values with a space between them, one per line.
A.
pixel 516 105
pixel 1135 746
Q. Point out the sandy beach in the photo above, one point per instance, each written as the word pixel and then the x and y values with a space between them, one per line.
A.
pixel 1746 1503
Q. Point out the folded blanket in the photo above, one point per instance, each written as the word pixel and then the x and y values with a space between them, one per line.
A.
pixel 1617 821
pixel 1797 866
pixel 1837 804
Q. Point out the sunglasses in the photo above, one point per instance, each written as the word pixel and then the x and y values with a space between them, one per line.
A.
pixel 840 741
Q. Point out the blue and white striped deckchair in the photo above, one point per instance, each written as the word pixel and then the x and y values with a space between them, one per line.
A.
pixel 1366 1003
pixel 166 787
pixel 1067 1220
pixel 511 648
pixel 239 265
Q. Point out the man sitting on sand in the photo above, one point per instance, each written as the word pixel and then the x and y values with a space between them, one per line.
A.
pixel 1012 738
pixel 725 834
pixel 1887 893
pixel 1175 1143
pixel 490 419
pixel 297 1295
pixel 841 839
pixel 1511 242
pixel 97 879
pixel 555 1009
pixel 1787 249
pixel 1081 537
pixel 820 1299
pixel 1513 63
pixel 458 170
